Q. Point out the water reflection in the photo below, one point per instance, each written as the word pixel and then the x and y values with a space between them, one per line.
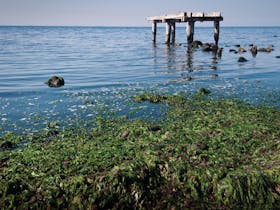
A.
pixel 185 63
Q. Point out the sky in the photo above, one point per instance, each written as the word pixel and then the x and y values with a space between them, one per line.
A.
pixel 133 12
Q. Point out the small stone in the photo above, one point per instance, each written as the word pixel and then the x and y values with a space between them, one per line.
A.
pixel 199 146
pixel 189 78
pixel 242 59
pixel 241 50
pixel 125 134
pixel 233 50
pixel 278 56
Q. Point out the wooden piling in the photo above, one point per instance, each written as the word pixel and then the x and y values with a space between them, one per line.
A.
pixel 154 31
pixel 190 31
pixel 173 32
pixel 167 32
pixel 216 31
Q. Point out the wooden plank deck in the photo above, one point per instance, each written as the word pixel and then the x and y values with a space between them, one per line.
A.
pixel 187 16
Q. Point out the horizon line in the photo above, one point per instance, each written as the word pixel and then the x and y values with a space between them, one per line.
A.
pixel 127 26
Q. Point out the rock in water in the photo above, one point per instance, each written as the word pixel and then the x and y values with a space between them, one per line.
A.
pixel 55 81
pixel 196 44
pixel 242 59
pixel 241 50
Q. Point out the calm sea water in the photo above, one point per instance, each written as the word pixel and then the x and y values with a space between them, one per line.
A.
pixel 104 66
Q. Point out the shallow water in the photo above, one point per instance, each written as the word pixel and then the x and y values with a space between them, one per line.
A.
pixel 104 66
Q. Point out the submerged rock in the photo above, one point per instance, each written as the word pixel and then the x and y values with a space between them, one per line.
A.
pixel 214 76
pixel 55 81
pixel 242 59
pixel 233 50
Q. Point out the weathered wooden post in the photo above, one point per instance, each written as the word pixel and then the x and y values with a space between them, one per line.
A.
pixel 154 31
pixel 190 31
pixel 167 32
pixel 173 32
pixel 216 31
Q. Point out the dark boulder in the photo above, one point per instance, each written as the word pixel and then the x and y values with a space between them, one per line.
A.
pixel 242 59
pixel 196 44
pixel 55 81
pixel 206 47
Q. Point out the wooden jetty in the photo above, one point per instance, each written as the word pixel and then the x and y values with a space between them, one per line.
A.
pixel 185 17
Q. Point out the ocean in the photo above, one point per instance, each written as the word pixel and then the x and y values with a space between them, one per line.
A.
pixel 104 67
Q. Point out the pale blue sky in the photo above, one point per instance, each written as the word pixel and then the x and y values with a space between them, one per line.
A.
pixel 133 12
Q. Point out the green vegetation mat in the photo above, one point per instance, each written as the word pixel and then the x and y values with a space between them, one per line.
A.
pixel 203 154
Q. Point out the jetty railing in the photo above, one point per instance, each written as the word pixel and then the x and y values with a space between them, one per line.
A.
pixel 190 18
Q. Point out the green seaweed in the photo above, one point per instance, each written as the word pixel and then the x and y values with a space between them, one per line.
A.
pixel 202 154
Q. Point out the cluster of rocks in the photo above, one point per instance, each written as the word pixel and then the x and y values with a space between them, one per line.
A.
pixel 207 47
pixel 253 49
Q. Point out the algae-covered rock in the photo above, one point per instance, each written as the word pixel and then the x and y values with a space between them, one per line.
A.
pixel 55 81
pixel 204 91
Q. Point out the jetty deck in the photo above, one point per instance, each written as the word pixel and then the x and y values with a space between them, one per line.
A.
pixel 185 17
